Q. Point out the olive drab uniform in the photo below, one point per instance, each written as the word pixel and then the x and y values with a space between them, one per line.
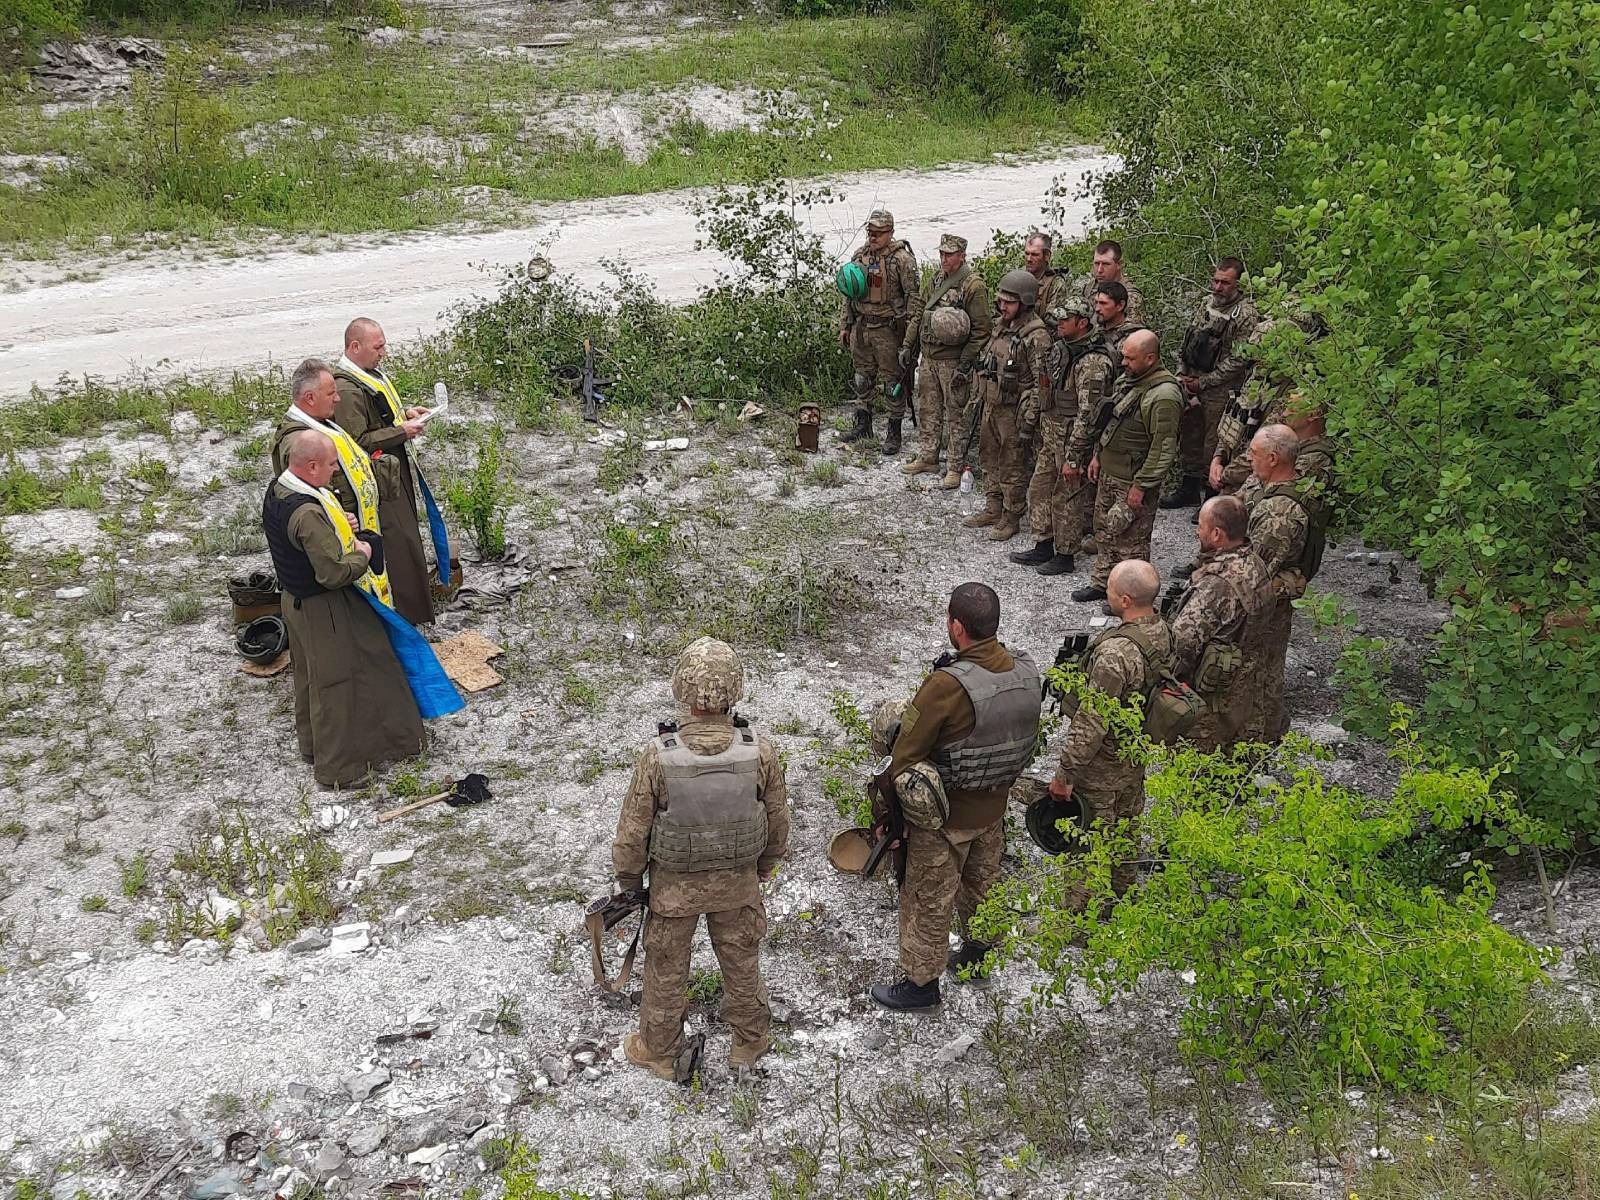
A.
pixel 877 323
pixel 948 356
pixel 1131 315
pixel 1278 528
pixel 1137 447
pixel 1208 622
pixel 976 719
pixel 706 813
pixel 1212 352
pixel 1080 381
pixel 1108 788
pixel 1009 380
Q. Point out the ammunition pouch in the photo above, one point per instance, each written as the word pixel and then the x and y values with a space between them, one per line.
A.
pixel 1202 348
pixel 1218 664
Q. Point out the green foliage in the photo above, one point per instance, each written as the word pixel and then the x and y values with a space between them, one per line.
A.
pixel 1278 898
pixel 989 49
pixel 480 499
pixel 842 761
pixel 39 18
pixel 134 873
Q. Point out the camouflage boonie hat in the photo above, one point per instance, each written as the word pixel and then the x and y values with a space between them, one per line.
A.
pixel 708 676
pixel 885 725
pixel 951 244
pixel 880 220
pixel 1070 306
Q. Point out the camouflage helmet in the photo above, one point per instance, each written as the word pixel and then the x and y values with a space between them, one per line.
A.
pixel 1021 286
pixel 885 725
pixel 708 676
pixel 1069 306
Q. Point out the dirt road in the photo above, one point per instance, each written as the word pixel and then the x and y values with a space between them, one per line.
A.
pixel 230 313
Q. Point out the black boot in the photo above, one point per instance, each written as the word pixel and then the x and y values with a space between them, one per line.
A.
pixel 891 435
pixel 1060 564
pixel 1089 592
pixel 1188 493
pixel 1041 552
pixel 906 996
pixel 1205 495
pixel 969 956
pixel 863 426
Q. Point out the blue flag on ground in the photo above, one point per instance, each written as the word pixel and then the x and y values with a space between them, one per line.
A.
pixel 436 530
pixel 436 696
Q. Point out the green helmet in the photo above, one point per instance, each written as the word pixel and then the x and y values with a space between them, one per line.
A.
pixel 851 280
pixel 1020 286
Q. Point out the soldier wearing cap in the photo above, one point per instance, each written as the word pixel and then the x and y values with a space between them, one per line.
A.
pixel 1060 497
pixel 1011 373
pixel 706 815
pixel 873 326
pixel 950 330
pixel 975 720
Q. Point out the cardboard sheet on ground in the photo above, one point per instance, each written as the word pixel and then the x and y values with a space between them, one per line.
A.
pixel 465 658
pixel 266 670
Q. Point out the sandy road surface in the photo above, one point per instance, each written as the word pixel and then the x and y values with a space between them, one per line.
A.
pixel 229 313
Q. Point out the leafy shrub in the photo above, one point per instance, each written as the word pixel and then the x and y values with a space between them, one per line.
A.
pixel 480 499
pixel 1279 900
pixel 39 18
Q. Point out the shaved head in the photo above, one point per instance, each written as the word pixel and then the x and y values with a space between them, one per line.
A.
pixel 1134 584
pixel 361 330
pixel 1141 351
pixel 307 446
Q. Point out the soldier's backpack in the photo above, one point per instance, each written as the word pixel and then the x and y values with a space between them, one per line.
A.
pixel 1171 706
pixel 1316 510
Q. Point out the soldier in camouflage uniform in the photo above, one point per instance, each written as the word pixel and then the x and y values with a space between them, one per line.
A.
pixel 1107 268
pixel 1213 367
pixel 1131 459
pixel 1060 497
pixel 1278 528
pixel 1314 461
pixel 1223 593
pixel 874 326
pixel 976 720
pixel 711 775
pixel 950 331
pixel 1109 789
pixel 1011 373
pixel 1265 400
pixel 1113 325
pixel 1036 254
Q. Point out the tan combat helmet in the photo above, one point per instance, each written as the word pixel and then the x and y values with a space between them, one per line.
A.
pixel 708 676
pixel 1019 285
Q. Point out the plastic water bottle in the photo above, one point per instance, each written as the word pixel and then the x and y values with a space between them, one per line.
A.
pixel 441 395
pixel 966 481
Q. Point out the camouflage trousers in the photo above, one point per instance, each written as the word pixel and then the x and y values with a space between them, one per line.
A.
pixel 1132 542
pixel 945 869
pixel 1005 477
pixel 1054 511
pixel 1268 635
pixel 874 353
pixel 1197 431
pixel 941 412
pixel 736 940
pixel 1109 796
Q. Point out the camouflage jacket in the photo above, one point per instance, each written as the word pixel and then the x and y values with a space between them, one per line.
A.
pixel 679 893
pixel 1012 367
pixel 892 291
pixel 1141 441
pixel 1117 668
pixel 1314 463
pixel 973 296
pixel 1086 285
pixel 1050 286
pixel 1224 590
pixel 1232 324
pixel 1277 532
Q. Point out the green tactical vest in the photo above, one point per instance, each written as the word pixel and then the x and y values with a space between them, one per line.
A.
pixel 714 819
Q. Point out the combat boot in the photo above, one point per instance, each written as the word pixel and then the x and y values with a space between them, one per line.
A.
pixel 1089 592
pixel 906 996
pixel 633 1047
pixel 863 426
pixel 1006 527
pixel 1188 493
pixel 951 481
pixel 921 466
pixel 969 958
pixel 1060 564
pixel 988 515
pixel 891 436
pixel 1041 552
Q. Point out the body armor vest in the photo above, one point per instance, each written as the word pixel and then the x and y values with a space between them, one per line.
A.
pixel 295 573
pixel 713 819
pixel 1001 744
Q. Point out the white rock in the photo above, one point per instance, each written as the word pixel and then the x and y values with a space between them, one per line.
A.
pixel 71 593
pixel 219 908
pixel 956 1049
pixel 677 443
pixel 427 1155
pixel 392 858
pixel 351 939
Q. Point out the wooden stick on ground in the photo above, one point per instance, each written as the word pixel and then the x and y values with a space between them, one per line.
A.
pixel 414 805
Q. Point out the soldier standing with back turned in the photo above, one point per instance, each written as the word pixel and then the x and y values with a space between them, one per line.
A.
pixel 873 327
pixel 706 814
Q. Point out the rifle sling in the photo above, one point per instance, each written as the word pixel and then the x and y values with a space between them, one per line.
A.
pixel 595 923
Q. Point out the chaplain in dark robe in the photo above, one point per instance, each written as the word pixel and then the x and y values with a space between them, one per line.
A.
pixel 367 411
pixel 353 708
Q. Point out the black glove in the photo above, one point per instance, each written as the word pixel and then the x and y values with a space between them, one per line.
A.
pixel 1026 441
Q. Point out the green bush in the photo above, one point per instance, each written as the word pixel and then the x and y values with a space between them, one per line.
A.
pixel 480 499
pixel 39 18
pixel 1278 900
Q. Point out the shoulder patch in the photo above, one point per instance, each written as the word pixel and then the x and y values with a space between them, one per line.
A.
pixel 908 718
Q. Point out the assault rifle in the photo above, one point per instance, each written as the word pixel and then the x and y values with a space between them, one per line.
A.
pixel 894 824
pixel 591 398
pixel 600 918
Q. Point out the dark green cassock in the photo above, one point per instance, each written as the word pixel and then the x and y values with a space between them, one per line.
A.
pixel 365 416
pixel 353 709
